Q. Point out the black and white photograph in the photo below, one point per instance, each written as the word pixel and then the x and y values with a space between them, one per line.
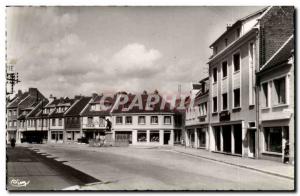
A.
pixel 150 98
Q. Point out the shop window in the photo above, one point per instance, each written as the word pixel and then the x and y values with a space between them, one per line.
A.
pixel 265 101
pixel 167 120
pixel 61 136
pixel 154 136
pixel 224 69
pixel 154 119
pixel 142 136
pixel 236 95
pixel 280 91
pixel 224 97
pixel 236 62
pixel 273 139
pixel 215 104
pixel 101 122
pixel 202 137
pixel 53 136
pixel 215 74
pixel 128 120
pixel 142 120
pixel 119 119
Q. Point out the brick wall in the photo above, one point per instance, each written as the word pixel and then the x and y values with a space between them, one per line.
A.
pixel 276 26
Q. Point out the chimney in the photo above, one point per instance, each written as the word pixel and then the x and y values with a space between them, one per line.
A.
pixel 33 91
pixel 77 96
pixel 51 98
pixel 19 93
pixel 94 95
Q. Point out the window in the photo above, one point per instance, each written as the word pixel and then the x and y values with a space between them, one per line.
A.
pixel 273 139
pixel 203 109
pixel 154 119
pixel 119 119
pixel 225 104
pixel 90 120
pixel 60 122
pixel 236 97
pixel 15 112
pixel 101 122
pixel 142 120
pixel 215 49
pixel 251 74
pixel 93 107
pixel 265 101
pixel 9 112
pixel 238 32
pixel 280 91
pixel 215 104
pixel 226 42
pixel 236 62
pixel 224 69
pixel 53 122
pixel 215 74
pixel 10 124
pixel 167 120
pixel 154 136
pixel 141 136
pixel 128 120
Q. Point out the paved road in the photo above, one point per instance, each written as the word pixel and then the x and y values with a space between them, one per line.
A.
pixel 160 169
pixel 39 172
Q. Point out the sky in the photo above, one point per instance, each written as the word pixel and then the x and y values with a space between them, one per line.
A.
pixel 67 51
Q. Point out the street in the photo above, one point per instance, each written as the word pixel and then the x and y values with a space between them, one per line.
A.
pixel 40 172
pixel 129 168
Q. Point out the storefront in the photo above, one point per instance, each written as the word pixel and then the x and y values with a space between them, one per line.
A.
pixel 56 136
pixel 34 137
pixel 228 138
pixel 197 137
pixel 147 137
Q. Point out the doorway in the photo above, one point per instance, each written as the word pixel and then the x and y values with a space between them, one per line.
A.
pixel 237 131
pixel 217 138
pixel 167 138
pixel 226 130
pixel 251 139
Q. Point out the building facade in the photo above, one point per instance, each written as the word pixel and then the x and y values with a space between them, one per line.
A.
pixel 276 108
pixel 143 124
pixel 197 121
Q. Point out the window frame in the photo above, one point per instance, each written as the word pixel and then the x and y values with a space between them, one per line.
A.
pixel 126 118
pixel 213 105
pixel 225 109
pixel 225 61
pixel 234 105
pixel 165 120
pixel 120 118
pixel 140 117
pixel 233 62
pixel 153 117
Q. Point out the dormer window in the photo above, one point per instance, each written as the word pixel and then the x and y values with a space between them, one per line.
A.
pixel 93 107
pixel 238 32
pixel 226 42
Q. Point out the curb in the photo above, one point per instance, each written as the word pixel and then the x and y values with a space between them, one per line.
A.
pixel 241 166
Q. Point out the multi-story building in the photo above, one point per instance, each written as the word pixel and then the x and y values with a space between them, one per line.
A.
pixel 196 124
pixel 73 128
pixel 95 116
pixel 57 109
pixel 276 105
pixel 34 128
pixel 237 54
pixel 140 123
pixel 22 102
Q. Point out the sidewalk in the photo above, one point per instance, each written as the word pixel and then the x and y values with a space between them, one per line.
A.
pixel 265 166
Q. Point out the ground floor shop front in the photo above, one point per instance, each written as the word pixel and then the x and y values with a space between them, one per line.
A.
pixel 34 136
pixel 277 140
pixel 234 139
pixel 145 137
pixel 197 137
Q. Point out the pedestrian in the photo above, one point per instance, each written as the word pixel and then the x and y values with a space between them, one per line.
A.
pixel 13 142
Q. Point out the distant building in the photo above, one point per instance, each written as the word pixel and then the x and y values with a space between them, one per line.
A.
pixel 145 124
pixel 95 116
pixel 276 108
pixel 197 118
pixel 73 121
pixel 18 106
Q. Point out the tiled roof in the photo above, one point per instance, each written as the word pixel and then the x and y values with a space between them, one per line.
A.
pixel 17 100
pixel 109 102
pixel 37 109
pixel 78 107
pixel 156 108
pixel 61 101
pixel 281 56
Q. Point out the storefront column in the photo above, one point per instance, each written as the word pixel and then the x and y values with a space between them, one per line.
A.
pixel 187 142
pixel 161 137
pixel 244 138
pixel 196 143
pixel 172 138
pixel 221 139
pixel 49 136
pixel 134 137
pixel 232 139
pixel 211 136
pixel 148 136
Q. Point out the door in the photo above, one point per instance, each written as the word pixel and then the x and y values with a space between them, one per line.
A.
pixel 251 140
pixel 166 138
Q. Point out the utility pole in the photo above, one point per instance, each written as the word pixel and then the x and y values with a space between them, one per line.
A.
pixel 12 78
